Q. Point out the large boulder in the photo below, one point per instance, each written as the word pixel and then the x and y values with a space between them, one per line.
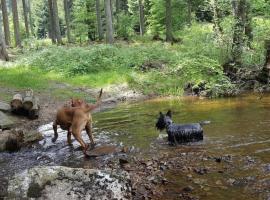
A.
pixel 57 182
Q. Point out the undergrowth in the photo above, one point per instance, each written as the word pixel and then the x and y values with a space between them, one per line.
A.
pixel 198 59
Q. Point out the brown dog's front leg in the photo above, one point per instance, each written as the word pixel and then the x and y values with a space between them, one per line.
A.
pixel 55 132
pixel 69 137
pixel 88 129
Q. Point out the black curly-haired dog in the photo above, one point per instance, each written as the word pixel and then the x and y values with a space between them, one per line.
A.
pixel 180 133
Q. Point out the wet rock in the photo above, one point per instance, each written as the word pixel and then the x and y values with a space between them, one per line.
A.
pixel 9 141
pixel 188 189
pixel 266 168
pixel 201 171
pixel 69 183
pixel 102 151
pixel 123 161
pixel 4 107
pixel 231 181
pixel 5 121
pixel 13 140
pixel 31 136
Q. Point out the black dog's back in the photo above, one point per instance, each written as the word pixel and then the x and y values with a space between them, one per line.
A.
pixel 181 133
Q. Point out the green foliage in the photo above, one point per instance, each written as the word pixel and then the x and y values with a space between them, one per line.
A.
pixel 126 24
pixel 84 19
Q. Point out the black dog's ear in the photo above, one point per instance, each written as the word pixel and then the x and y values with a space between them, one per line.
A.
pixel 169 113
pixel 161 114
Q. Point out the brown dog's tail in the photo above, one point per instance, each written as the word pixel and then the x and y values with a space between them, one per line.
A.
pixel 97 104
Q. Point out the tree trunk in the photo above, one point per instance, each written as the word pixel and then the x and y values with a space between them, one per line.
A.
pixel 51 24
pixel 25 14
pixel 238 31
pixel 88 21
pixel 3 51
pixel 56 22
pixel 67 18
pixel 264 76
pixel 30 18
pixel 248 27
pixel 189 12
pixel 111 5
pixel 16 24
pixel 217 19
pixel 169 36
pixel 99 23
pixel 5 22
pixel 109 24
pixel 141 13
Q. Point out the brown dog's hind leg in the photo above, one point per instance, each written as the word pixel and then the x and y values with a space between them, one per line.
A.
pixel 55 132
pixel 88 128
pixel 78 137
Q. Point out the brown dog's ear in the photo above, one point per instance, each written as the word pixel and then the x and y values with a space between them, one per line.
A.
pixel 169 113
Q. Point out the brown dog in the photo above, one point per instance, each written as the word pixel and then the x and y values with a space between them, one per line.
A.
pixel 75 120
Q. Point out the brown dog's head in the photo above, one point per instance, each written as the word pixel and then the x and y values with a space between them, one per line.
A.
pixel 77 102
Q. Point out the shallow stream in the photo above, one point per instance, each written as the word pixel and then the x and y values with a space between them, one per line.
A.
pixel 239 131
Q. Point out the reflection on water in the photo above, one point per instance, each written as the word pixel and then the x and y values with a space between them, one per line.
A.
pixel 238 125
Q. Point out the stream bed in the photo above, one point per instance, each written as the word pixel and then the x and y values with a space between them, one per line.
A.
pixel 232 162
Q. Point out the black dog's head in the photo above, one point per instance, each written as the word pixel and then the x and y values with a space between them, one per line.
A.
pixel 164 120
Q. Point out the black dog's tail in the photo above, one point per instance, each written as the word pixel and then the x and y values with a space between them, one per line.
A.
pixel 204 123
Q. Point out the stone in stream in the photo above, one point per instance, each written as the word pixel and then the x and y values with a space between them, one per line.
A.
pixel 102 151
pixel 13 140
pixel 5 121
pixel 4 107
pixel 57 182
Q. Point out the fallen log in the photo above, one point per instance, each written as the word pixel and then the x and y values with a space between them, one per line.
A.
pixel 27 104
pixel 16 103
pixel 28 100
pixel 34 112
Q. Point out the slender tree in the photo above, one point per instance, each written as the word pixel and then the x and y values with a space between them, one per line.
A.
pixel 55 32
pixel 169 36
pixel 16 24
pixel 25 15
pixel 238 30
pixel 189 6
pixel 56 22
pixel 99 23
pixel 5 22
pixel 67 18
pixel 51 28
pixel 141 14
pixel 248 20
pixel 30 17
pixel 109 24
pixel 3 51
